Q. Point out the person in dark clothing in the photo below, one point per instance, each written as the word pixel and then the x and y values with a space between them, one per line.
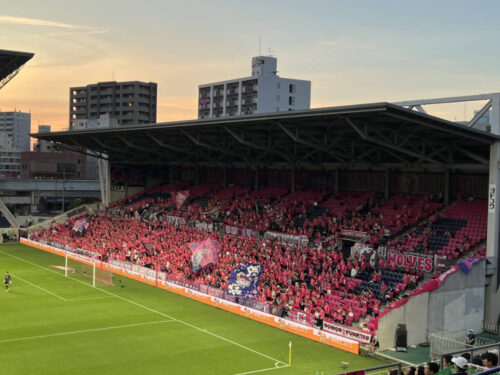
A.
pixel 471 337
pixel 7 281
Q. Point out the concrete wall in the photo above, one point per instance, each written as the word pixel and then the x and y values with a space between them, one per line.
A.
pixel 459 302
pixel 413 314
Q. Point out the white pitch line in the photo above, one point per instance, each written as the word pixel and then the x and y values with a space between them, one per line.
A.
pixel 83 331
pixel 152 310
pixel 39 287
pixel 89 299
pixel 262 370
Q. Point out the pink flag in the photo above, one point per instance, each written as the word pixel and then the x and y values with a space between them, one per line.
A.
pixel 179 197
pixel 203 253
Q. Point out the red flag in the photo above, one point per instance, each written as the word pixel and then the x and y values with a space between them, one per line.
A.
pixel 180 197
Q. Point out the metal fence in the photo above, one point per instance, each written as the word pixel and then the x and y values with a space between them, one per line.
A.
pixel 472 350
pixel 491 327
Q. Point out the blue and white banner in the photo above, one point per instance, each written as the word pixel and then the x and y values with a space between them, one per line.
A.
pixel 244 279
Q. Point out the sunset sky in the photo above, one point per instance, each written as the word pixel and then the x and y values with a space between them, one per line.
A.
pixel 353 51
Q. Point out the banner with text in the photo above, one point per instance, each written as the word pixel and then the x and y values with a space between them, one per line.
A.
pixel 339 329
pixel 411 261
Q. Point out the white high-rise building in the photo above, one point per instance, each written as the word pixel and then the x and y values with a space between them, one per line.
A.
pixel 16 126
pixel 262 92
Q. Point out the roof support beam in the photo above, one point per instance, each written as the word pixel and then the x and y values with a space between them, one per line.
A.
pixel 472 155
pixel 389 145
pixel 170 147
pixel 147 150
pixel 448 130
pixel 480 114
pixel 256 146
pixel 297 139
pixel 211 147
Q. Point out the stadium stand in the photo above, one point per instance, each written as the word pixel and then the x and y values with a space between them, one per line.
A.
pixel 4 223
pixel 334 285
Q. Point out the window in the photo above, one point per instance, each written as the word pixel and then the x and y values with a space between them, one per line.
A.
pixel 278 85
pixel 291 88
pixel 277 98
pixel 291 100
pixel 277 109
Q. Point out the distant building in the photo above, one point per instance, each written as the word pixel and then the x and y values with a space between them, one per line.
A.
pixel 262 92
pixel 17 127
pixel 43 145
pixel 484 122
pixel 51 161
pixel 54 165
pixel 128 102
pixel 10 158
pixel 104 121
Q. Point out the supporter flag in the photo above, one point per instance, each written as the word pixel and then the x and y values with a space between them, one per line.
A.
pixel 149 247
pixel 244 279
pixel 467 264
pixel 80 225
pixel 203 253
pixel 179 197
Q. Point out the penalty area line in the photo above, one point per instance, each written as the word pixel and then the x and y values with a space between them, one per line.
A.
pixel 39 287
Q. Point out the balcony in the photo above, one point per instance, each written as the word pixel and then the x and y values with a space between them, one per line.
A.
pixel 249 101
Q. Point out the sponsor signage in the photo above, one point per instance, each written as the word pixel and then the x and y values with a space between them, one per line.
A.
pixel 342 330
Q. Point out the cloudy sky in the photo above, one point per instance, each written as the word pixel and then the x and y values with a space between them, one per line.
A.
pixel 352 51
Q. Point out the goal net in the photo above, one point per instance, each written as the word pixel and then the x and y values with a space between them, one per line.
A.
pixel 99 277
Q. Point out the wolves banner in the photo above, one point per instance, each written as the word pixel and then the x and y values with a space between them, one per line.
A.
pixel 203 253
pixel 80 225
pixel 411 261
pixel 244 279
pixel 179 197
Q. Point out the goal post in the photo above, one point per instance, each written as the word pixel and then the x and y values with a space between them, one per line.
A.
pixel 80 268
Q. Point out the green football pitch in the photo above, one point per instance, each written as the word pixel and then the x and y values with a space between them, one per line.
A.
pixel 51 324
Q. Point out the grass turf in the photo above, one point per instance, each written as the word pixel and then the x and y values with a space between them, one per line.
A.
pixel 56 325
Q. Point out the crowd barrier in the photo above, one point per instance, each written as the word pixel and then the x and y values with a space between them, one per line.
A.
pixel 152 278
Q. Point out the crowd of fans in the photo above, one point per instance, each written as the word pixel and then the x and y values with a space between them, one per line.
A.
pixel 462 365
pixel 322 281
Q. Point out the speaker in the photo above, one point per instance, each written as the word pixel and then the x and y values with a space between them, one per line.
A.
pixel 401 338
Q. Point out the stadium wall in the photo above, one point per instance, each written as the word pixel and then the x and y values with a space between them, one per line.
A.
pixel 413 314
pixel 330 339
pixel 457 304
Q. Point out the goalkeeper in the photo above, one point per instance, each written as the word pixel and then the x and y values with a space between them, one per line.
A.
pixel 7 281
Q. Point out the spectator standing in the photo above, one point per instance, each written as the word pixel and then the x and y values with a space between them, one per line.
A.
pixel 471 338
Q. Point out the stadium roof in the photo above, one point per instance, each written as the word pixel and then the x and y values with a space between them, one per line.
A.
pixel 10 64
pixel 378 135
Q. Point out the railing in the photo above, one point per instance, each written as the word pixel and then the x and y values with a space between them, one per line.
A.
pixel 489 371
pixel 493 327
pixel 473 349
